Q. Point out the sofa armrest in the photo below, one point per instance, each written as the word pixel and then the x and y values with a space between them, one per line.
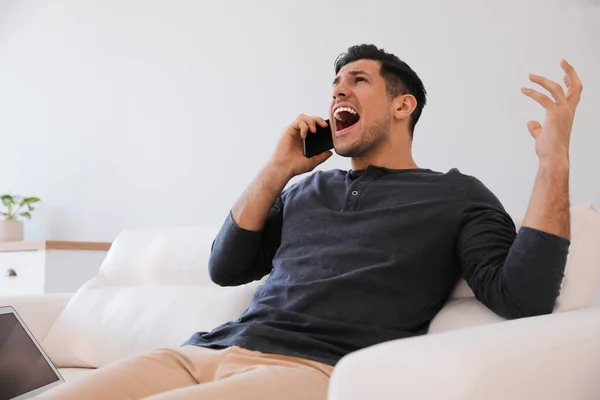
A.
pixel 38 311
pixel 554 356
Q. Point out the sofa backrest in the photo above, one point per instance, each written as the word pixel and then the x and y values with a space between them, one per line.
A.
pixel 153 290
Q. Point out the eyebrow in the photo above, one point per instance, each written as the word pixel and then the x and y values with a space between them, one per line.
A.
pixel 353 73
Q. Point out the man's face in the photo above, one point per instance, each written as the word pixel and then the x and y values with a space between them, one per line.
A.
pixel 360 112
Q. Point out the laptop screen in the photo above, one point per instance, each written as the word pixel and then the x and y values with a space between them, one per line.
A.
pixel 22 367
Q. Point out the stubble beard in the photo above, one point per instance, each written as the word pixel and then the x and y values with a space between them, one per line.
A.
pixel 370 138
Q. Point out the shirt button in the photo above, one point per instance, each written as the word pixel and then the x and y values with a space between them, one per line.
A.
pixel 354 192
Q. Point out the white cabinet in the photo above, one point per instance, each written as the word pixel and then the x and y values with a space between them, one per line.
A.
pixel 48 266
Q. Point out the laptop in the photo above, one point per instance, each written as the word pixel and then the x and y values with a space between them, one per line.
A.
pixel 25 369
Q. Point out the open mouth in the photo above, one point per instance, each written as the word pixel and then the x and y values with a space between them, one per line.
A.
pixel 345 118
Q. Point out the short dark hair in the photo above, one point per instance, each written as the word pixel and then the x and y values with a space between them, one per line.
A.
pixel 399 77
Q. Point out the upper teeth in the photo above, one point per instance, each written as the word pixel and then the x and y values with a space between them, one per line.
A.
pixel 339 110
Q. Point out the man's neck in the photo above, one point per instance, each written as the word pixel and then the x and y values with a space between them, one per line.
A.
pixel 394 152
pixel 390 160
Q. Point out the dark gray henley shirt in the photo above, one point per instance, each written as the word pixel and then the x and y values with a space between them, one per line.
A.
pixel 361 257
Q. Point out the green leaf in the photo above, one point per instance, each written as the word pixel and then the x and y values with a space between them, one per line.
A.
pixel 26 201
pixel 25 214
pixel 7 200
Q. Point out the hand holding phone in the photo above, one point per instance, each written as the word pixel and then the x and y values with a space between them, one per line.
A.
pixel 290 155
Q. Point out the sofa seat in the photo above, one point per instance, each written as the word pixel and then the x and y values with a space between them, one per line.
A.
pixel 70 374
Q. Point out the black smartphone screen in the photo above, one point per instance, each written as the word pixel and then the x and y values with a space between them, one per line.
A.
pixel 318 142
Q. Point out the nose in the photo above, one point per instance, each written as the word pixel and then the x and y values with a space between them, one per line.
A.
pixel 340 92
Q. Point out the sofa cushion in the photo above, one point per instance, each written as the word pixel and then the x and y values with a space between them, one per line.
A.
pixel 152 291
pixel 579 287
pixel 582 273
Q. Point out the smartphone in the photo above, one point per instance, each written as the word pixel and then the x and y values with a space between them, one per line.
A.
pixel 318 142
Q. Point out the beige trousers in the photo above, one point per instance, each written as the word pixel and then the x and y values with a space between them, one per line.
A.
pixel 192 372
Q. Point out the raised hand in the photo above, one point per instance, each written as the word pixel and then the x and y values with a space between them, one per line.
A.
pixel 552 139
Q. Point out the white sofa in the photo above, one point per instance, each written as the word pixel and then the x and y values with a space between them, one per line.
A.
pixel 153 291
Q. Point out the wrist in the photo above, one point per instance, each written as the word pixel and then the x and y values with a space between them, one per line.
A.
pixel 278 174
pixel 555 162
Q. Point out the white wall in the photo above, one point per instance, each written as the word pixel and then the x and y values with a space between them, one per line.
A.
pixel 144 113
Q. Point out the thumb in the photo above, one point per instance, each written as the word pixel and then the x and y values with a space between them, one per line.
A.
pixel 534 128
pixel 321 158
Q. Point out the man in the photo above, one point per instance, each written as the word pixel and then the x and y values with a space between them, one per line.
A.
pixel 360 257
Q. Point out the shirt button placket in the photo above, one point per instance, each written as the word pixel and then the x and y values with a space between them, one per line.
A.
pixel 353 200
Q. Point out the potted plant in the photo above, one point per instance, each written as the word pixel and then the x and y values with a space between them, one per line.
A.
pixel 15 208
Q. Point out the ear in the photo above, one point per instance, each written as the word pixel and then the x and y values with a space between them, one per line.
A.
pixel 404 105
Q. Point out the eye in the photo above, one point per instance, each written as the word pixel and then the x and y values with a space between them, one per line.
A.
pixel 360 79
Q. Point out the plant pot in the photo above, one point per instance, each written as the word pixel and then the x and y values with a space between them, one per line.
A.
pixel 11 230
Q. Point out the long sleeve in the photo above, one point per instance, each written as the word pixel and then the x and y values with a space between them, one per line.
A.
pixel 240 256
pixel 513 274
